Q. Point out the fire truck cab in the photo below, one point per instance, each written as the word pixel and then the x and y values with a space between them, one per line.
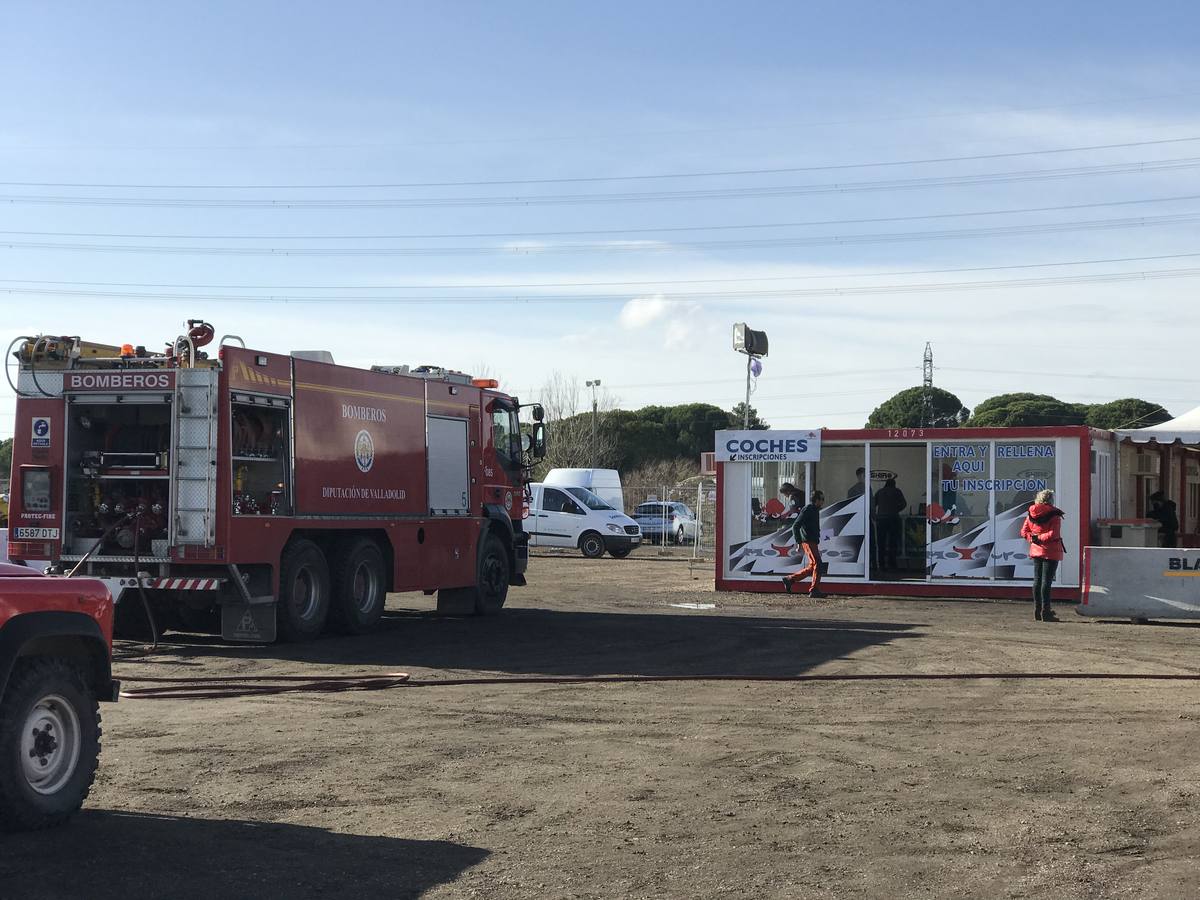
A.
pixel 281 491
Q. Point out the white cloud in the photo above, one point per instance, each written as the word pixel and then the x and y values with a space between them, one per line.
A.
pixel 642 311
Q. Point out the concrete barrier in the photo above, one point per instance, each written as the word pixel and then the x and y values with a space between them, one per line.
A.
pixel 1140 583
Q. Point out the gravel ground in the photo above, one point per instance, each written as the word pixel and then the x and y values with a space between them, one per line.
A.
pixel 852 787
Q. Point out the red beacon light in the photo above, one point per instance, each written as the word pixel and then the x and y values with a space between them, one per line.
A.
pixel 485 382
pixel 127 351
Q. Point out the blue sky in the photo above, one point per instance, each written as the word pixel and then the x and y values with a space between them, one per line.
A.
pixel 157 101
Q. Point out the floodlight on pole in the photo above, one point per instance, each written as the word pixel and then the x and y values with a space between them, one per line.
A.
pixel 754 345
pixel 593 385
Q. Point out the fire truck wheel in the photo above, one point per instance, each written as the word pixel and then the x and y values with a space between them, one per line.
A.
pixel 591 545
pixel 303 591
pixel 493 577
pixel 49 743
pixel 358 587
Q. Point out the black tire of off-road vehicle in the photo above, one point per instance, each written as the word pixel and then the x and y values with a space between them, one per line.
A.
pixel 33 678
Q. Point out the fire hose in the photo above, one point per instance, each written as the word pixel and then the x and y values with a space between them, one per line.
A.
pixel 229 686
pixel 136 516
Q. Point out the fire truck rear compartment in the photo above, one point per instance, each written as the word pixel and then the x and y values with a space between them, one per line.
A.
pixel 118 464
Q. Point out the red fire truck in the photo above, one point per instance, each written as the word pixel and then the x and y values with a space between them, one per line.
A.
pixel 283 491
pixel 55 664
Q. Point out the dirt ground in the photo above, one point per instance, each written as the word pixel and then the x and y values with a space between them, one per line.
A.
pixel 1063 788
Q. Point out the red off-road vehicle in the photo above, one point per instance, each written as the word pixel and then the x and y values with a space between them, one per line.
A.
pixel 55 664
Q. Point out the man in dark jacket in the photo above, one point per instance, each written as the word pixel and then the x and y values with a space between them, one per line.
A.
pixel 889 504
pixel 1163 510
pixel 807 532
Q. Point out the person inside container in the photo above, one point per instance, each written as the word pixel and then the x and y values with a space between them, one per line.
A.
pixel 890 504
pixel 1163 511
pixel 860 486
pixel 807 532
pixel 793 499
pixel 1043 529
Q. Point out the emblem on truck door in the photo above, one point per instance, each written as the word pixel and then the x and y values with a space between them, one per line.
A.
pixel 364 451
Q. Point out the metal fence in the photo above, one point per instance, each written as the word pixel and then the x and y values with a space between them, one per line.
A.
pixel 699 495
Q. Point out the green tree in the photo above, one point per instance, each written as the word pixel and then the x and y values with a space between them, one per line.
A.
pixel 638 441
pixel 907 410
pixel 1127 413
pixel 694 426
pixel 6 446
pixel 1026 410
pixel 738 415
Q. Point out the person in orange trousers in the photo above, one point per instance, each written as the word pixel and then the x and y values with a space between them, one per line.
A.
pixel 807 532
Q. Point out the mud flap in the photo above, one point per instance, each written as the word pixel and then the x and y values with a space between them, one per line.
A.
pixel 456 601
pixel 251 622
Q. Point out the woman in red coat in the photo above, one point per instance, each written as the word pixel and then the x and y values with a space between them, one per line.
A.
pixel 1043 529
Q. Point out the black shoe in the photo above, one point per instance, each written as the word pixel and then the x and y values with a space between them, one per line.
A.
pixel 817 595
pixel 1037 613
pixel 1049 616
pixel 787 584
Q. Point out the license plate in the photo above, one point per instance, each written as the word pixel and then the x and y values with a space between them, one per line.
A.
pixel 36 534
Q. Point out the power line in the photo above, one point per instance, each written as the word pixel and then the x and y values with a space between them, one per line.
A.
pixel 1087 375
pixel 612 135
pixel 843 374
pixel 573 284
pixel 628 246
pixel 1032 175
pixel 891 390
pixel 600 231
pixel 936 287
pixel 592 179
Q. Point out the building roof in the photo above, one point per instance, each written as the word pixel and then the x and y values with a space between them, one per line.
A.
pixel 1184 428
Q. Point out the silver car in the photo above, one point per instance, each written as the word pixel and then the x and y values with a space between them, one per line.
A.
pixel 667 520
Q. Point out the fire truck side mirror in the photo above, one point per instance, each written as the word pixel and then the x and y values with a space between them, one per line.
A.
pixel 538 412
pixel 538 441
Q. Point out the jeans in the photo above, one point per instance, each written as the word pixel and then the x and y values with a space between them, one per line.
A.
pixel 1043 576
pixel 888 530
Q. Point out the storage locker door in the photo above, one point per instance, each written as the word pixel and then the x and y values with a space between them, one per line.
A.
pixel 194 462
pixel 449 479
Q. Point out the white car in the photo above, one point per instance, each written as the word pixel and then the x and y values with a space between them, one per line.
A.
pixel 575 517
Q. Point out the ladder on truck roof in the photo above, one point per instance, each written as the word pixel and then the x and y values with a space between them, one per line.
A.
pixel 194 460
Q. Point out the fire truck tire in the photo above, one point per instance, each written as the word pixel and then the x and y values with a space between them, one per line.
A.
pixel 358 587
pixel 49 743
pixel 491 588
pixel 490 591
pixel 591 545
pixel 304 591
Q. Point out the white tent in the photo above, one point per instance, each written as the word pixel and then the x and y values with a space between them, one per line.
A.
pixel 1185 429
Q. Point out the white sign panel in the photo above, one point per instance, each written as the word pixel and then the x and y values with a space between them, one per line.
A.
pixel 772 445
pixel 40 432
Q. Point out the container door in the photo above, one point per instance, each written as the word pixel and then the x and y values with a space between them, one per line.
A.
pixel 1022 469
pixel 449 476
pixel 842 477
pixel 962 534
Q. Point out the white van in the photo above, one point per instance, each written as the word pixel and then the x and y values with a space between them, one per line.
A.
pixel 575 517
pixel 604 483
